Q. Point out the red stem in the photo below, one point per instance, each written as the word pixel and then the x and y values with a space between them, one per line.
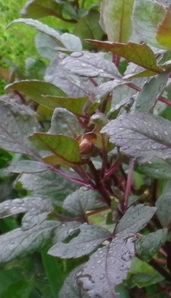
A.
pixel 129 183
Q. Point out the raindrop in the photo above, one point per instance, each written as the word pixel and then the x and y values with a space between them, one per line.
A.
pixel 165 133
pixel 76 54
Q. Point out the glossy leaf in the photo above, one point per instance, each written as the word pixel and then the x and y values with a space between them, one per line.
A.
pixel 151 92
pixel 141 135
pixel 88 239
pixel 28 204
pixel 46 185
pixel 90 65
pixel 82 201
pixel 26 166
pixel 65 123
pixel 70 287
pixel 159 169
pixel 163 205
pixel 18 242
pixel 150 244
pixel 17 122
pixel 65 149
pixel 107 268
pixel 116 19
pixel 140 54
pixel 73 85
pixel 135 219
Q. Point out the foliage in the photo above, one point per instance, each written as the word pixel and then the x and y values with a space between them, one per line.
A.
pixel 86 147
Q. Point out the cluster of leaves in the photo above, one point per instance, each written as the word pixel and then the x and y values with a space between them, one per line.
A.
pixel 92 144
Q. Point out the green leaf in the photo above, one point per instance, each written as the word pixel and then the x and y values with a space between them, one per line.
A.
pixel 88 27
pixel 35 89
pixel 74 105
pixel 164 30
pixel 143 275
pixel 41 27
pixel 150 244
pixel 88 239
pixel 18 242
pixel 15 283
pixel 159 169
pixel 38 9
pixel 65 123
pixel 82 201
pixel 26 166
pixel 17 122
pixel 151 92
pixel 46 185
pixel 140 54
pixel 28 204
pixel 135 219
pixel 107 268
pixel 65 41
pixel 48 95
pixel 65 149
pixel 147 16
pixel 163 205
pixel 116 19
pixel 141 135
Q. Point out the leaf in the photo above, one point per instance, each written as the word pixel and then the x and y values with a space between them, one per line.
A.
pixel 46 185
pixel 146 18
pixel 88 27
pixel 83 200
pixel 116 19
pixel 26 166
pixel 150 244
pixel 163 205
pixel 108 87
pixel 65 41
pixel 28 204
pixel 38 9
pixel 70 288
pixel 17 242
pixel 48 95
pixel 41 27
pixel 141 135
pixel 73 85
pixel 143 275
pixel 89 238
pixel 164 30
pixel 90 65
pixel 35 89
pixel 135 219
pixel 65 149
pixel 140 54
pixel 151 92
pixel 107 268
pixel 159 169
pixel 46 46
pixel 65 123
pixel 74 105
pixel 17 122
